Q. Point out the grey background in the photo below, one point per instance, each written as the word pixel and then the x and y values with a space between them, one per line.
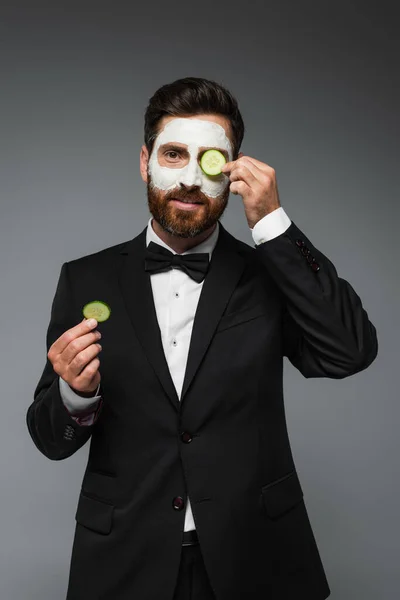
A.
pixel 318 87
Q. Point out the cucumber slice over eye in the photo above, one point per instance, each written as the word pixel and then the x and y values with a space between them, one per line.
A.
pixel 97 310
pixel 212 161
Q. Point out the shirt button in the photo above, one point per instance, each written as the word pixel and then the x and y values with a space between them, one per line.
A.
pixel 186 437
pixel 178 503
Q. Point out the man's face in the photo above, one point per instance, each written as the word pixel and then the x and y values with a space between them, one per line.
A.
pixel 173 172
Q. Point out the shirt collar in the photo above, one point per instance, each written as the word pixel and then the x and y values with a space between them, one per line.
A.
pixel 207 245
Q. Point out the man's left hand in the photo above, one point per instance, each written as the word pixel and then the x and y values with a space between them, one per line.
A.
pixel 256 182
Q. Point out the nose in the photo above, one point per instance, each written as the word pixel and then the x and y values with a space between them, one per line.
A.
pixel 190 178
pixel 189 188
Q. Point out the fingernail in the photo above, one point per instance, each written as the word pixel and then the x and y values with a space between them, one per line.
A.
pixel 92 322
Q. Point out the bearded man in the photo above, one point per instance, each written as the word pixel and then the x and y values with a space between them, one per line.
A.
pixel 190 489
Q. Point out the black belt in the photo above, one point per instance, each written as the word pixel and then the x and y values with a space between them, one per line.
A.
pixel 190 538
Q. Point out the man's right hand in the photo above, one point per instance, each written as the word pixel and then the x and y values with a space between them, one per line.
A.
pixel 74 357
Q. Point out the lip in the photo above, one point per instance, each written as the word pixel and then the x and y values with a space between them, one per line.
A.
pixel 185 206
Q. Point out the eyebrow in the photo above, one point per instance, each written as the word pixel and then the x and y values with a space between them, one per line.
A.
pixel 174 147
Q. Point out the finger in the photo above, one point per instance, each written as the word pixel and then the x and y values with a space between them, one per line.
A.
pixel 227 168
pixel 261 165
pixel 239 187
pixel 242 172
pixel 84 379
pixel 257 172
pixel 62 342
pixel 262 179
pixel 82 359
pixel 229 165
pixel 244 161
pixel 63 361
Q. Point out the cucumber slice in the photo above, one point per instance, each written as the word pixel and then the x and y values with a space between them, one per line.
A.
pixel 212 161
pixel 97 310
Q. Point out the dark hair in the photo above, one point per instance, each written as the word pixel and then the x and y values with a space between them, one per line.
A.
pixel 192 96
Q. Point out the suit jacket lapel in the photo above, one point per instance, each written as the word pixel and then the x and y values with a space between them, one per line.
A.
pixel 225 270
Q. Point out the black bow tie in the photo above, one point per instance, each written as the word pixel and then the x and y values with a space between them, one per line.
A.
pixel 158 259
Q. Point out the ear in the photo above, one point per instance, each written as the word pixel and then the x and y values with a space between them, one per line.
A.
pixel 144 161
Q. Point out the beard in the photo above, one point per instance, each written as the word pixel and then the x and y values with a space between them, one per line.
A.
pixel 180 222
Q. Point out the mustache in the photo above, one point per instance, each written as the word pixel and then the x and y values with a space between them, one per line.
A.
pixel 185 195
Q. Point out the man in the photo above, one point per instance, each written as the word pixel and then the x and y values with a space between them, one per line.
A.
pixel 191 490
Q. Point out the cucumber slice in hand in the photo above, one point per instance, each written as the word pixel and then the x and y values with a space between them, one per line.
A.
pixel 212 161
pixel 97 310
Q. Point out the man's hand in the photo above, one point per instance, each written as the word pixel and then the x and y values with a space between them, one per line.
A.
pixel 256 183
pixel 74 357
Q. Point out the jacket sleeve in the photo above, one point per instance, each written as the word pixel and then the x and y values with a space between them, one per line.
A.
pixel 326 330
pixel 53 430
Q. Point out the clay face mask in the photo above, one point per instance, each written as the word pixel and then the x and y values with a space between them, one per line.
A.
pixel 195 133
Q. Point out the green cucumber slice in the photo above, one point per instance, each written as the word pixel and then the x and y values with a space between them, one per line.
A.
pixel 97 310
pixel 212 161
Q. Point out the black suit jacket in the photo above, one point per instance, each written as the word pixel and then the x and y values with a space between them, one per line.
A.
pixel 257 305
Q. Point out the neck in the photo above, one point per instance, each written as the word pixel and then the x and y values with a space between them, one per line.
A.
pixel 180 245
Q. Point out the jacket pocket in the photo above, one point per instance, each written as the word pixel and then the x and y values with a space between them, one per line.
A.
pixel 281 495
pixel 101 485
pixel 94 514
pixel 241 316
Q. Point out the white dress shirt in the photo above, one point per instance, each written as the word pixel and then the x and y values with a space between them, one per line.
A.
pixel 175 297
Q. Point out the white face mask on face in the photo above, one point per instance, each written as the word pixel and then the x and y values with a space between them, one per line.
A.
pixel 194 133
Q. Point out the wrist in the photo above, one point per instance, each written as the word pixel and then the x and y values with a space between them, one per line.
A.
pixel 84 394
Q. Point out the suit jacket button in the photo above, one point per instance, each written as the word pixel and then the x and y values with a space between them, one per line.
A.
pixel 186 437
pixel 69 432
pixel 178 503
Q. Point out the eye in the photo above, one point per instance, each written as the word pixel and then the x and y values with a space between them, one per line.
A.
pixel 172 154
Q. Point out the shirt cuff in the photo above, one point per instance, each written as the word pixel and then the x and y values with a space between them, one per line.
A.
pixel 89 419
pixel 77 405
pixel 270 226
